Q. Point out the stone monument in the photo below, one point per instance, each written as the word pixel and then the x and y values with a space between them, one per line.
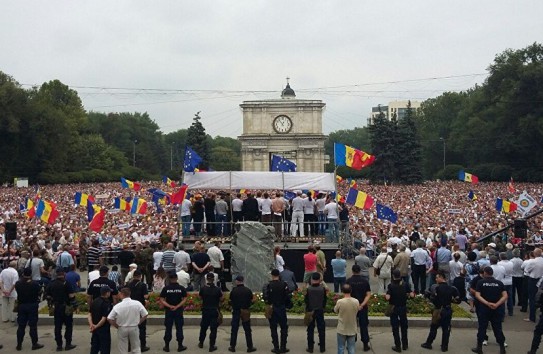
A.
pixel 252 254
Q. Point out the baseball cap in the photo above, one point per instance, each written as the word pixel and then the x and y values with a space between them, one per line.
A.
pixel 209 276
pixel 133 265
pixel 275 272
pixel 316 276
pixel 137 273
pixel 60 270
pixel 492 244
pixel 105 289
pixel 240 278
pixel 27 272
pixel 396 274
pixel 104 269
pixel 172 274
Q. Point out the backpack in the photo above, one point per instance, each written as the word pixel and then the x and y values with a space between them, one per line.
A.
pixel 473 269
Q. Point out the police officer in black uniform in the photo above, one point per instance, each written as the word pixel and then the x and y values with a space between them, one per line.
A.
pixel 140 292
pixel 492 296
pixel 98 323
pixel 62 296
pixel 396 295
pixel 277 294
pixel 173 298
pixel 28 294
pixel 315 301
pixel 211 297
pixel 473 291
pixel 241 298
pixel 93 292
pixel 538 331
pixel 360 290
pixel 441 295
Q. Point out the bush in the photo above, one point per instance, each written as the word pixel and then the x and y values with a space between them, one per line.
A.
pixel 417 306
pixel 450 172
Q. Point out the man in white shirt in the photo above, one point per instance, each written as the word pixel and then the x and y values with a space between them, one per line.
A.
pixel 185 215
pixel 183 278
pixel 266 209
pixel 297 223
pixel 216 259
pixel 237 205
pixel 94 273
pixel 330 210
pixel 8 278
pixel 499 271
pixel 534 269
pixel 126 316
pixel 181 259
pixel 507 280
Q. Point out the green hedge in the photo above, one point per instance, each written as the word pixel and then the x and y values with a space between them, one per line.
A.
pixel 417 306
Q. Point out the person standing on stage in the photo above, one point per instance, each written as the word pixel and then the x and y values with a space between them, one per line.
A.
pixel 396 296
pixel 491 295
pixel 211 297
pixel 126 316
pixel 315 301
pixel 441 295
pixel 241 298
pixel 277 294
pixel 98 323
pixel 297 223
pixel 140 292
pixel 278 207
pixel 173 297
pixel 28 294
pixel 360 290
pixel 250 208
pixel 62 295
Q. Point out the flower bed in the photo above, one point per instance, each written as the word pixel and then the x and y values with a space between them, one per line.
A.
pixel 418 306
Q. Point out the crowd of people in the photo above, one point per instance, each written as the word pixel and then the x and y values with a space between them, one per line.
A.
pixel 431 250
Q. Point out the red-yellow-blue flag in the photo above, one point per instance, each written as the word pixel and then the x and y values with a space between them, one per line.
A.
pixel 359 199
pixel 96 216
pixel 122 204
pixel 352 183
pixel 167 181
pixel 82 198
pixel 46 211
pixel 129 184
pixel 348 156
pixel 468 177
pixel 138 206
pixel 505 206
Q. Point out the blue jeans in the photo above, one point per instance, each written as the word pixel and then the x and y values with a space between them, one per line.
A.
pixel 333 227
pixel 185 220
pixel 220 227
pixel 321 218
pixel 345 341
pixel 338 283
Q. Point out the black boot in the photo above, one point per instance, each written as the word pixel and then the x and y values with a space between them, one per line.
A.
pixel 478 349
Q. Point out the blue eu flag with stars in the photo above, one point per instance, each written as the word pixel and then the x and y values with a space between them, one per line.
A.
pixel 192 160
pixel 386 213
pixel 282 165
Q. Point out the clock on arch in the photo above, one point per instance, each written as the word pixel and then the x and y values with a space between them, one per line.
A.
pixel 282 124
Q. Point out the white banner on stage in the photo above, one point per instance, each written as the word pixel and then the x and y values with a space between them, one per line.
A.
pixel 260 180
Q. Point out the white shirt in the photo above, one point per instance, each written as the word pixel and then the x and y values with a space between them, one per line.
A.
pixel 534 269
pixel 508 266
pixel 499 272
pixel 321 203
pixel 95 274
pixel 157 259
pixel 8 278
pixel 517 267
pixel 127 313
pixel 215 257
pixel 279 263
pixel 455 268
pixel 183 278
pixel 331 210
pixel 265 206
pixel 394 240
pixel 237 204
pixel 181 259
pixel 309 206
pixel 185 207
pixel 297 204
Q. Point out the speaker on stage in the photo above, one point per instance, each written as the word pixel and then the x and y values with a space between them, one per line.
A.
pixel 11 231
pixel 520 228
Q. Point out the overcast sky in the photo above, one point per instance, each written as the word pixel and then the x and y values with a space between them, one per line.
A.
pixel 243 50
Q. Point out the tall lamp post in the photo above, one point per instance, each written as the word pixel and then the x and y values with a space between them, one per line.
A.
pixel 443 139
pixel 134 154
pixel 171 156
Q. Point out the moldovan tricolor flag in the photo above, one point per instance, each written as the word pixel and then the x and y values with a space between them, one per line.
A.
pixel 359 199
pixel 505 206
pixel 468 177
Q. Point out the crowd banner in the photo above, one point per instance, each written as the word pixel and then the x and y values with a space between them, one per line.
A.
pixel 261 180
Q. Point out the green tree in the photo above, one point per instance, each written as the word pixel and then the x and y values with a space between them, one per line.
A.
pixel 407 149
pixel 225 159
pixel 198 140
pixel 383 135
